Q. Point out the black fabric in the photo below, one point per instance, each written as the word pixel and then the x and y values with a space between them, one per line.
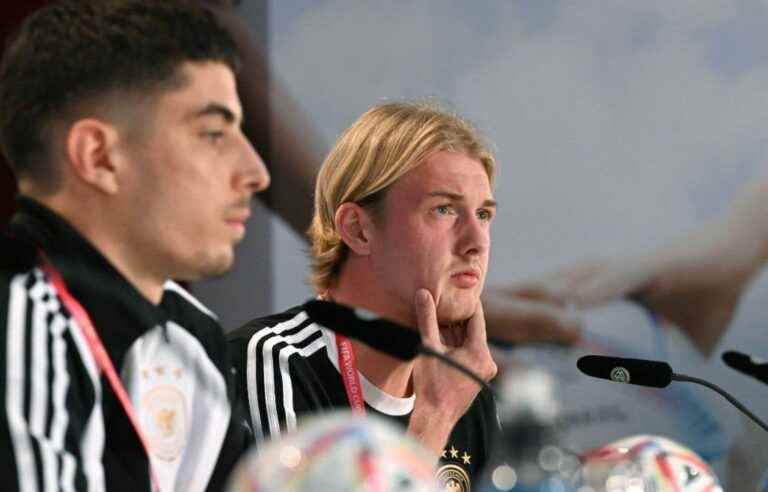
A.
pixel 318 387
pixel 120 314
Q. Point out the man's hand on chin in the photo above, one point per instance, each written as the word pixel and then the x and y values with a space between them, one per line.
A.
pixel 454 335
pixel 444 394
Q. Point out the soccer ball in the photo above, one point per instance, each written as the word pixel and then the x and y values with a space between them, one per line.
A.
pixel 646 464
pixel 340 452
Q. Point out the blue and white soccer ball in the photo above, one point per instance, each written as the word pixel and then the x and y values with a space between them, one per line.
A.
pixel 339 452
pixel 646 463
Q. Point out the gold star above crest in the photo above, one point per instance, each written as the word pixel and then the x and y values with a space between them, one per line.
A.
pixel 466 458
pixel 454 452
pixel 444 453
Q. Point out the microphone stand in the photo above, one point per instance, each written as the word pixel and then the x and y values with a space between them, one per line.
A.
pixel 724 394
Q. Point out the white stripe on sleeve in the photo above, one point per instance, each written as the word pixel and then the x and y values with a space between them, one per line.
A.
pixel 60 418
pixel 269 383
pixel 92 440
pixel 16 383
pixel 285 353
pixel 285 376
pixel 39 398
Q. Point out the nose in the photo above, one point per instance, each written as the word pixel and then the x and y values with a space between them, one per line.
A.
pixel 254 175
pixel 475 238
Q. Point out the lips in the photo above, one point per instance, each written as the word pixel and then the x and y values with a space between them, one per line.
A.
pixel 466 278
pixel 242 219
pixel 239 211
pixel 239 214
pixel 475 272
pixel 237 222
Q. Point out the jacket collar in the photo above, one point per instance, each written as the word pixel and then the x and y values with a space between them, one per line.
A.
pixel 117 309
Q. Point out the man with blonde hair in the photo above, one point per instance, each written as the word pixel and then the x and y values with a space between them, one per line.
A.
pixel 403 209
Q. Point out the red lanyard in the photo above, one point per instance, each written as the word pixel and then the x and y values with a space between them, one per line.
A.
pixel 99 353
pixel 348 370
pixel 351 377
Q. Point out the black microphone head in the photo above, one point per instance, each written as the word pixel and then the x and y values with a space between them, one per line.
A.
pixel 737 360
pixel 378 333
pixel 746 364
pixel 623 370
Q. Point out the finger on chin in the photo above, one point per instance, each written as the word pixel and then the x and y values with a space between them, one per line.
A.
pixel 426 316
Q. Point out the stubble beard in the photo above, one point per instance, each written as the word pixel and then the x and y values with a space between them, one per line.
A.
pixel 453 309
pixel 213 264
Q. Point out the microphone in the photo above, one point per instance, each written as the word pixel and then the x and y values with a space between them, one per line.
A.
pixel 650 373
pixel 747 364
pixel 632 371
pixel 381 334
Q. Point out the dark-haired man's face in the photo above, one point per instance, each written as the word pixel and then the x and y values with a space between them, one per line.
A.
pixel 193 175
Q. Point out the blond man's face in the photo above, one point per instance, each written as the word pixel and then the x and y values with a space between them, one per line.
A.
pixel 434 231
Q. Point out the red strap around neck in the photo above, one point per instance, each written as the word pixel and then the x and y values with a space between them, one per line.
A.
pixel 99 353
pixel 350 375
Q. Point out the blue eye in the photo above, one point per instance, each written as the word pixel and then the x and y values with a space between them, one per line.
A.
pixel 485 215
pixel 446 209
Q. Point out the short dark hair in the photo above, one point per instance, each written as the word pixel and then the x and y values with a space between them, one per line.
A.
pixel 74 51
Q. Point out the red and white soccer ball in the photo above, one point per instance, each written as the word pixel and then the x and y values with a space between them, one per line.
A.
pixel 338 452
pixel 647 463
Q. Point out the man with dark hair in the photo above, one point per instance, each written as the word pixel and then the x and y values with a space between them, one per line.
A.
pixel 121 121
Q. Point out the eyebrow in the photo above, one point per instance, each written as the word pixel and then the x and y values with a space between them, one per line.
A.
pixel 216 109
pixel 456 197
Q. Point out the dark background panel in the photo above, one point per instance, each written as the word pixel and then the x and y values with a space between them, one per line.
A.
pixel 11 15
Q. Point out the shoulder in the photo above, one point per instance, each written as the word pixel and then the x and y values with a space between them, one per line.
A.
pixel 263 342
pixel 285 323
pixel 22 282
pixel 47 371
pixel 178 301
pixel 194 319
pixel 38 327
pixel 184 309
pixel 18 257
pixel 281 362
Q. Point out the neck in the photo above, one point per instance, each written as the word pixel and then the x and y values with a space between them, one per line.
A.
pixel 390 375
pixel 148 285
pixel 354 288
pixel 100 235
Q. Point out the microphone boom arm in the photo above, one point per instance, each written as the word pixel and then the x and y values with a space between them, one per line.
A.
pixel 422 349
pixel 724 394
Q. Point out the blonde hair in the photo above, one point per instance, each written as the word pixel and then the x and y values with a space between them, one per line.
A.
pixel 379 148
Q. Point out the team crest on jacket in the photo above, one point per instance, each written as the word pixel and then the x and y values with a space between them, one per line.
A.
pixel 165 421
pixel 453 478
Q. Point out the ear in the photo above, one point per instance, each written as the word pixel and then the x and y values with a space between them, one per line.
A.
pixel 355 227
pixel 89 148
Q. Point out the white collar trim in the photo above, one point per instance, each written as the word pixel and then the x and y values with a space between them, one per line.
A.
pixel 376 398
